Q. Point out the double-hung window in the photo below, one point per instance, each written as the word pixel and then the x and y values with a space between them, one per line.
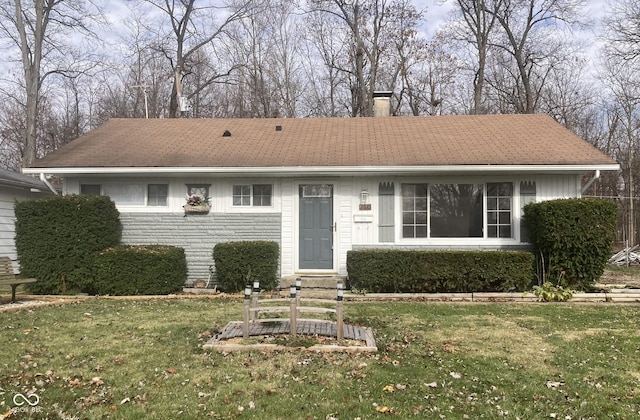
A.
pixel 257 195
pixel 414 210
pixel 499 204
pixel 154 195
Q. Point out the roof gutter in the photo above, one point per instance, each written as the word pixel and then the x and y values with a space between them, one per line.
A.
pixel 596 176
pixel 43 178
pixel 326 170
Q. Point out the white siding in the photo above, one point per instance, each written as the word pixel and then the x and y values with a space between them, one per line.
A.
pixel 355 228
pixel 8 197
pixel 289 218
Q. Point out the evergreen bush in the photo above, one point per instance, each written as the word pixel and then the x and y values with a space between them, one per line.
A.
pixel 58 237
pixel 140 270
pixel 402 271
pixel 572 239
pixel 239 263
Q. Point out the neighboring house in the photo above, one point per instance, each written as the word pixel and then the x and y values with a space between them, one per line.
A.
pixel 15 186
pixel 322 187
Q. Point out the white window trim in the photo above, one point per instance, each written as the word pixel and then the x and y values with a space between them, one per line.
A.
pixel 275 197
pixel 483 241
pixel 136 208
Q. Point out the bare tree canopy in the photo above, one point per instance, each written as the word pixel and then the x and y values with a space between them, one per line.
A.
pixel 38 29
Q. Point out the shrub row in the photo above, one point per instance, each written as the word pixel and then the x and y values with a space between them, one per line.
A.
pixel 572 239
pixel 239 263
pixel 57 239
pixel 70 244
pixel 398 271
pixel 140 270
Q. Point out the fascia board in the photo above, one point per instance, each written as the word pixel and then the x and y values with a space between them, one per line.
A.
pixel 324 170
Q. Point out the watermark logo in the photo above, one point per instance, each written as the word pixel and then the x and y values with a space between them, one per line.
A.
pixel 26 403
pixel 31 399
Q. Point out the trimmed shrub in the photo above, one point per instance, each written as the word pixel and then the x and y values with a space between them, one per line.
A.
pixel 57 239
pixel 140 270
pixel 239 263
pixel 572 239
pixel 399 271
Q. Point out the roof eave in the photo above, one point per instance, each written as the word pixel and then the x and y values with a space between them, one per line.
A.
pixel 326 170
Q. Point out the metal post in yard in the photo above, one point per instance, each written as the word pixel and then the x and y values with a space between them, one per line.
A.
pixel 293 310
pixel 339 315
pixel 298 289
pixel 245 312
pixel 256 294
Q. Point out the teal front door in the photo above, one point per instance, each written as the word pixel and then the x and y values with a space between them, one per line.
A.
pixel 316 227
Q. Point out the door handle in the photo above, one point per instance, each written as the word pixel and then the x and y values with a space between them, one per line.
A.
pixel 335 226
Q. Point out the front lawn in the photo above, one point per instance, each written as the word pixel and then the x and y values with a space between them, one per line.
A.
pixel 141 358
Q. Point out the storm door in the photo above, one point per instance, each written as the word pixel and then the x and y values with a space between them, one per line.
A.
pixel 316 227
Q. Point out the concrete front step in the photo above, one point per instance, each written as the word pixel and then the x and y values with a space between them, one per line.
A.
pixel 312 282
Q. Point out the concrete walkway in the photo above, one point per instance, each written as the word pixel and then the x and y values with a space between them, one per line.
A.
pixel 613 295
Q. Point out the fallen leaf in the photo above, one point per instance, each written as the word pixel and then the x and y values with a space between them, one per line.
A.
pixel 171 371
pixel 388 388
pixel 455 375
pixel 432 385
pixel 383 409
pixel 96 380
pixel 126 400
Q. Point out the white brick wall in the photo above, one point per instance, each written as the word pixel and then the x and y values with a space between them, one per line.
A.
pixel 198 234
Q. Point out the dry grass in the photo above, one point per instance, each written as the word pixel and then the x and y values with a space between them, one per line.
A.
pixel 139 358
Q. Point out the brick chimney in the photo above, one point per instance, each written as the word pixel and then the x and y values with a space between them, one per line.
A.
pixel 382 103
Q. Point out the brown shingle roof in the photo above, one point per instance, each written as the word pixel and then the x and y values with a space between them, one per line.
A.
pixel 348 142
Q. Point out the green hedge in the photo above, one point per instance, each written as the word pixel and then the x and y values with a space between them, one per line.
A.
pixel 239 263
pixel 398 271
pixel 572 239
pixel 140 270
pixel 58 237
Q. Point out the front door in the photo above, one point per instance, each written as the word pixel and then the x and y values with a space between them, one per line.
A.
pixel 316 227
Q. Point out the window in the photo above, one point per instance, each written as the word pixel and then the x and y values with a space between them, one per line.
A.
pixel 499 200
pixel 126 195
pixel 257 195
pixel 157 194
pixel 456 210
pixel 414 210
pixel 242 195
pixel 133 194
pixel 198 189
pixel 90 189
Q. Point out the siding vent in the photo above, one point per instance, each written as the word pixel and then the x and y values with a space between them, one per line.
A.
pixel 226 133
pixel 278 128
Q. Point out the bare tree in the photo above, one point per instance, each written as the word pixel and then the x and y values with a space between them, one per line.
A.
pixel 194 29
pixel 479 17
pixel 39 30
pixel 530 37
pixel 622 25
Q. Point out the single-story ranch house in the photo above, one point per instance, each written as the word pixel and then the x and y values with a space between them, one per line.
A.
pixel 321 187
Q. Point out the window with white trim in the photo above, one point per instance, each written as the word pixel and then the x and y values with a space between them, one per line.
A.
pixel 499 203
pixel 414 210
pixel 257 195
pixel 157 194
pixel 457 210
pixel 90 189
pixel 154 195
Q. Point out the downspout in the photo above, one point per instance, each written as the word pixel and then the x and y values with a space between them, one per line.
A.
pixel 47 183
pixel 591 181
